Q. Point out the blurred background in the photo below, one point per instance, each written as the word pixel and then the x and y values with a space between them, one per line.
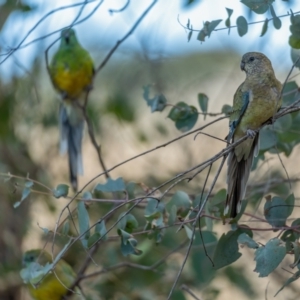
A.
pixel 156 53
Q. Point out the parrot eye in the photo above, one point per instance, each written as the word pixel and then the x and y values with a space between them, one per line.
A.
pixel 251 58
pixel 30 258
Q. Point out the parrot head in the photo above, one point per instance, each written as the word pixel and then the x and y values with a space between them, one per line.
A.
pixel 255 62
pixel 36 255
pixel 68 37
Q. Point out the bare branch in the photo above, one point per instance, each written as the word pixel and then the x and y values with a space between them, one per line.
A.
pixel 106 59
pixel 189 291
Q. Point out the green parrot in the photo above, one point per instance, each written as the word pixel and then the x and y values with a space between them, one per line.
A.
pixel 256 101
pixel 53 286
pixel 71 71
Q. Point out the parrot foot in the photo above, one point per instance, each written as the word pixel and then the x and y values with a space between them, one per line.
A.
pixel 269 122
pixel 251 133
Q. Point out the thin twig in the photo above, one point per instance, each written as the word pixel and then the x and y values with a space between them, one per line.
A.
pixel 234 26
pixel 153 149
pixel 125 37
pixel 189 291
pixel 137 266
pixel 19 46
pixel 111 11
pixel 199 222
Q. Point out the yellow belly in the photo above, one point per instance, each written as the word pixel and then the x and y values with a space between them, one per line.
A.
pixel 74 82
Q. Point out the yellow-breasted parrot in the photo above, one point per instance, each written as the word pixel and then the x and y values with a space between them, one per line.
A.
pixel 53 286
pixel 71 71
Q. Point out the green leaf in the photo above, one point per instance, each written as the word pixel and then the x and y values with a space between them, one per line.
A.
pixel 290 92
pixel 290 202
pixel 157 103
pixel 265 27
pixel 156 234
pixel 130 188
pixel 28 184
pixel 189 2
pixel 83 222
pixel 100 233
pixel 62 251
pixel 269 257
pixel 227 250
pixel 277 23
pixel 111 185
pixel 212 26
pixel 290 280
pixel 276 210
pixel 45 230
pixel 101 229
pixel 25 193
pixel 172 215
pixel 66 228
pixel 294 42
pixel 283 124
pixel 208 28
pixel 227 21
pixel 200 261
pixel 94 238
pixel 290 236
pixel 272 11
pixel 242 25
pixel 35 272
pixel 209 223
pixel 154 213
pixel 258 6
pixel 128 243
pixel 296 250
pixel 61 190
pixel 226 109
pixel 215 205
pixel 127 222
pixel 182 202
pixel 201 36
pixel 276 20
pixel 245 239
pixel 268 139
pixel 219 197
pixel 295 54
pixel 294 28
pixel 27 190
pixel 184 116
pixel 25 8
pixel 188 232
pixel 203 103
pixel 190 35
pixel 87 196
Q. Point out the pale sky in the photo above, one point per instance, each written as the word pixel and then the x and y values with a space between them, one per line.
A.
pixel 159 31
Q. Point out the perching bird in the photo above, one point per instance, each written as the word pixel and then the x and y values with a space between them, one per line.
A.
pixel 72 71
pixel 256 100
pixel 53 286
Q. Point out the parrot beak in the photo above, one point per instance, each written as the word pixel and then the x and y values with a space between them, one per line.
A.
pixel 242 65
pixel 67 36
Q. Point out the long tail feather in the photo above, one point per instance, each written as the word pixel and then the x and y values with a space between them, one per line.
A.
pixel 71 134
pixel 237 177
